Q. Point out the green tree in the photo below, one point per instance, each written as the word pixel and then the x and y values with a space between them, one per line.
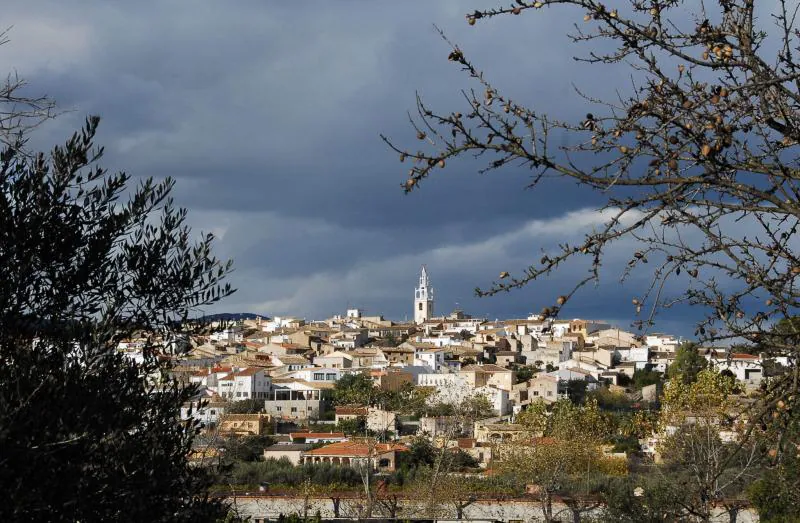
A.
pixel 776 495
pixel 353 427
pixel 246 448
pixel 687 364
pixel 524 372
pixel 355 389
pixel 643 377
pixel 88 259
pixel 641 499
pixel 249 406
pixel 421 452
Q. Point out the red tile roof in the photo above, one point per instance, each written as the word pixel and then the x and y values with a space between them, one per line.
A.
pixel 354 449
pixel 249 371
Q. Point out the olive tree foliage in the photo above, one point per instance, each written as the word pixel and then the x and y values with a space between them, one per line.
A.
pixel 89 258
pixel 695 161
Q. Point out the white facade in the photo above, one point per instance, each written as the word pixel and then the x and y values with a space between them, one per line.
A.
pixel 639 355
pixel 246 384
pixel 745 367
pixel 317 374
pixel 277 323
pixel 441 341
pixel 429 358
pixel 423 299
pixel 444 382
pixel 455 388
pixel 497 397
pixel 232 334
pixel 662 342
pixel 207 415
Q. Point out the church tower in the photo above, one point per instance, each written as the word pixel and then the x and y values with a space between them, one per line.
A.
pixel 423 298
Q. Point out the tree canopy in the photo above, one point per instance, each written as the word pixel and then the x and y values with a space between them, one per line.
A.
pixel 355 389
pixel 89 259
pixel 687 364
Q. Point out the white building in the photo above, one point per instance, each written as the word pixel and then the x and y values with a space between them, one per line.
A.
pixel 208 414
pixel 433 358
pixel 280 323
pixel 662 342
pixel 230 334
pixel 498 398
pixel 640 356
pixel 746 367
pixel 249 383
pixel 423 299
pixel 456 388
pixel 317 374
pixel 441 341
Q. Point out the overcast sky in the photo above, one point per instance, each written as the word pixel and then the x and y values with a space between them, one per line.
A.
pixel 268 113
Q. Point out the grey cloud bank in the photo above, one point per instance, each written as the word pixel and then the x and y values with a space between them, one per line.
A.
pixel 268 114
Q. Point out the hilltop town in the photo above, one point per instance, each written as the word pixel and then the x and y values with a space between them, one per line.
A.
pixel 355 391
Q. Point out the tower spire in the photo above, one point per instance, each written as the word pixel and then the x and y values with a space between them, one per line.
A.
pixel 423 298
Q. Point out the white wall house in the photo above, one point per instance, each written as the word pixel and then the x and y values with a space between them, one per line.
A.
pixel 442 341
pixel 498 398
pixel 230 334
pixel 279 323
pixel 638 355
pixel 455 388
pixel 746 367
pixel 317 374
pixel 662 342
pixel 207 415
pixel 249 383
pixel 433 358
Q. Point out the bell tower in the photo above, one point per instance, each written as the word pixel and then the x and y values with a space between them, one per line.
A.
pixel 423 298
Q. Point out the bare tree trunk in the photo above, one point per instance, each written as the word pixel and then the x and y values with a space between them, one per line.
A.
pixel 547 506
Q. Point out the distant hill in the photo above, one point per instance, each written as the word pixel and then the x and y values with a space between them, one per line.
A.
pixel 233 316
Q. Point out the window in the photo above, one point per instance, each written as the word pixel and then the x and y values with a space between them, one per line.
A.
pixel 319 376
pixel 213 412
pixel 420 305
pixel 294 409
pixel 310 408
pixel 238 394
pixel 330 376
pixel 278 408
pixel 549 392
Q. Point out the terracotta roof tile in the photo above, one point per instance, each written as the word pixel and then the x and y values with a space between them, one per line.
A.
pixel 354 449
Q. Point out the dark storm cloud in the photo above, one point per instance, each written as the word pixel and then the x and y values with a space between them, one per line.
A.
pixel 268 114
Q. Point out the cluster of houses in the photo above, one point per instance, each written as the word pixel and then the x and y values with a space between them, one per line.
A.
pixel 291 366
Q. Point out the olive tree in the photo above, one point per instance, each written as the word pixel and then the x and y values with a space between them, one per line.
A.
pixel 88 259
pixel 695 161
